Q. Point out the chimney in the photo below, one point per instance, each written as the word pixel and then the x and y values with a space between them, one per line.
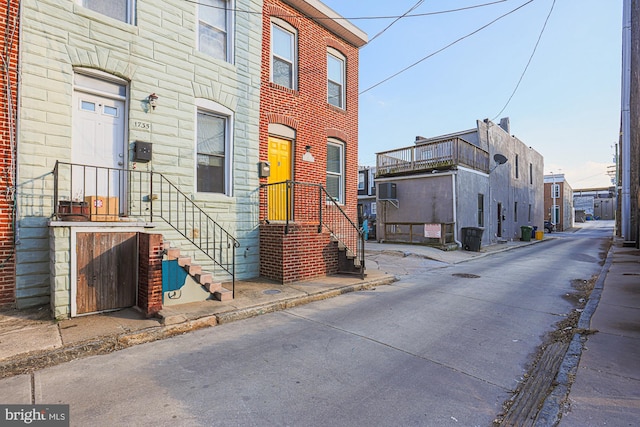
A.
pixel 505 124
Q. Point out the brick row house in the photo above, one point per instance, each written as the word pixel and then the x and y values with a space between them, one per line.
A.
pixel 9 43
pixel 558 202
pixel 308 137
pixel 145 176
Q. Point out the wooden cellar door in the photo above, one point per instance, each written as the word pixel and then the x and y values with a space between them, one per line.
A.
pixel 107 271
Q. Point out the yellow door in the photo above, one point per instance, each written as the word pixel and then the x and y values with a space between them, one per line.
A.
pixel 280 160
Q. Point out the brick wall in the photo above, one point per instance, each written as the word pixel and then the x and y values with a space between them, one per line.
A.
pixel 306 109
pixel 9 44
pixel 301 254
pixel 150 273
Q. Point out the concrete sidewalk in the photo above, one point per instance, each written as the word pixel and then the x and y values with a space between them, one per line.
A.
pixel 606 389
pixel 30 340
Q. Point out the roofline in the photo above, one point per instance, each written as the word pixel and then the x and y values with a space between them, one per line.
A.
pixel 331 20
pixel 446 136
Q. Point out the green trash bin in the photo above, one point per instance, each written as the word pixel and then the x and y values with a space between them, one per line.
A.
pixel 526 233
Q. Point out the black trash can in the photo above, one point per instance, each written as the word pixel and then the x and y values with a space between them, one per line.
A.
pixel 472 238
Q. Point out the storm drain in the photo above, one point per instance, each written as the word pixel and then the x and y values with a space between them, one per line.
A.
pixel 271 292
pixel 466 275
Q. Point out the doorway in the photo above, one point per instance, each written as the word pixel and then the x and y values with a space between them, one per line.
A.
pixel 98 139
pixel 500 219
pixel 280 161
pixel 106 275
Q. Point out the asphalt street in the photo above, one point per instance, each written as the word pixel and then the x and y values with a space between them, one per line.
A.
pixel 445 345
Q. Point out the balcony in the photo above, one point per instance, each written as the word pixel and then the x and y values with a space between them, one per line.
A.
pixel 443 154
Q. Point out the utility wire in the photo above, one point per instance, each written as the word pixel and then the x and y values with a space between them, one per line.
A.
pixel 528 62
pixel 355 18
pixel 415 6
pixel 445 47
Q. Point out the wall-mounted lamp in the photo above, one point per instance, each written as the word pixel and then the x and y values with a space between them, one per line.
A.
pixel 153 100
pixel 308 157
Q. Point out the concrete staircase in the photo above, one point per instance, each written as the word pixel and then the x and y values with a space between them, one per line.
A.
pixel 204 278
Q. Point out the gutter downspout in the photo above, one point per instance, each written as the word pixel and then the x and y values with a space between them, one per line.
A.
pixel 625 122
pixel 455 204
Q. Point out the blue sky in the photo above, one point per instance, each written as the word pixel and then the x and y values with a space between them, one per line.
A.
pixel 567 106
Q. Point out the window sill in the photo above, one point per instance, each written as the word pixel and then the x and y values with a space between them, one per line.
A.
pixel 284 88
pixel 97 16
pixel 336 109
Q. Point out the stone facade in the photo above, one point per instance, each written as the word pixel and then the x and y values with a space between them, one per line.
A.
pixel 157 54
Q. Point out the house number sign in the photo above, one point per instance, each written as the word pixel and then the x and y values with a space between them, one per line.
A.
pixel 142 125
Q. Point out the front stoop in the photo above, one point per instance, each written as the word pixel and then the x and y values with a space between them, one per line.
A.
pixel 204 278
pixel 347 260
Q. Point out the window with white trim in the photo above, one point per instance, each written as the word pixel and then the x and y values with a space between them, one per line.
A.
pixel 374 210
pixel 335 170
pixel 122 10
pixel 284 61
pixel 213 151
pixel 336 72
pixel 361 180
pixel 215 24
pixel 555 191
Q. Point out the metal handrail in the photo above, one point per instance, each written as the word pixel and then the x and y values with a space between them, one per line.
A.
pixel 144 195
pixel 301 202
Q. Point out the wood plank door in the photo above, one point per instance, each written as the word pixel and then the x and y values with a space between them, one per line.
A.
pixel 106 271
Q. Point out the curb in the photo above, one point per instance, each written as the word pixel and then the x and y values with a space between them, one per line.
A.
pixel 405 253
pixel 549 414
pixel 26 363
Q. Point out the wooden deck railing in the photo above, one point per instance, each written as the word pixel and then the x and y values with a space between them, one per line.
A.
pixel 434 155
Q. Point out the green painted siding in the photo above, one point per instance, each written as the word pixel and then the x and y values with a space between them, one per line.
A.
pixel 157 55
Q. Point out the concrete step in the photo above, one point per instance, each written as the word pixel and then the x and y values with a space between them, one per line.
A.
pixel 223 295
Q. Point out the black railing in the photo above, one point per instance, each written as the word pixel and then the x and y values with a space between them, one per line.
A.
pixel 298 202
pixel 93 193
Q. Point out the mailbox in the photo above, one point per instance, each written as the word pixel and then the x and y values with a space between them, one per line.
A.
pixel 142 152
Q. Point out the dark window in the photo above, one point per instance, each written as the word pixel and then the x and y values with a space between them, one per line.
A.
pixel 212 136
pixel 480 210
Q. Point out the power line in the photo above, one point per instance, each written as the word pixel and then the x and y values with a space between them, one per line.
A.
pixel 353 18
pixel 415 6
pixel 528 62
pixel 445 47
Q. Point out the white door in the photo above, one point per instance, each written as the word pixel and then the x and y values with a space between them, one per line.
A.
pixel 98 140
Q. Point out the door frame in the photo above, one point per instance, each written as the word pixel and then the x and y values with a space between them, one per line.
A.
pixel 73 285
pixel 102 84
pixel 499 209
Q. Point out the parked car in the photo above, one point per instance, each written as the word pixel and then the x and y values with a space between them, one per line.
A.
pixel 549 227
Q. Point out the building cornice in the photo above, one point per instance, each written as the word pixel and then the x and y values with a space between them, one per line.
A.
pixel 331 20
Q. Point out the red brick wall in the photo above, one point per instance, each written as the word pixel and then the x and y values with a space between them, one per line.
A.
pixel 306 109
pixel 301 254
pixel 304 253
pixel 8 44
pixel 150 273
